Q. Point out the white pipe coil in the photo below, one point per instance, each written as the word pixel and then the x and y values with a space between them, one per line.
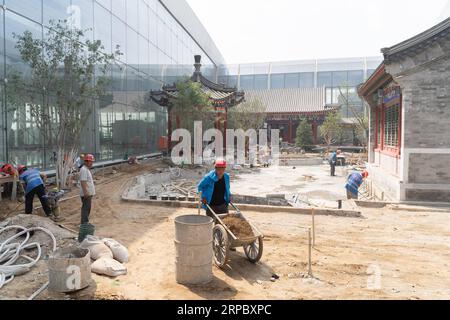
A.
pixel 12 249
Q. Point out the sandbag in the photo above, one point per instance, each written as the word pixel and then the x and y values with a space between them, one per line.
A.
pixel 97 248
pixel 120 253
pixel 108 267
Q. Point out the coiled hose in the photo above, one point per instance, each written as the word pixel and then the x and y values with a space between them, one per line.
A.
pixel 12 249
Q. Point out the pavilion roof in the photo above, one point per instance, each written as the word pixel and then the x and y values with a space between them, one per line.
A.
pixel 219 94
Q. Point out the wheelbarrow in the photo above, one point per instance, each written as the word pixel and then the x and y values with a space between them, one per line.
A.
pixel 224 239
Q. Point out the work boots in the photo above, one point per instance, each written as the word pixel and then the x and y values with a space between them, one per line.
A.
pixel 55 215
pixel 56 218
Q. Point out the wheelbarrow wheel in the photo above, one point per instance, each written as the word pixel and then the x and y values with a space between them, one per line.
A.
pixel 220 246
pixel 254 250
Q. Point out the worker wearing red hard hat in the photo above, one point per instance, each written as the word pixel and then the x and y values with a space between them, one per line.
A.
pixel 215 189
pixel 7 169
pixel 87 188
pixel 355 181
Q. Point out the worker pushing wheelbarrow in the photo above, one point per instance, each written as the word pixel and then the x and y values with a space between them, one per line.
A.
pixel 231 230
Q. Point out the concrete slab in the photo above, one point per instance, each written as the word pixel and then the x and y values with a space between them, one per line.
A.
pixel 313 183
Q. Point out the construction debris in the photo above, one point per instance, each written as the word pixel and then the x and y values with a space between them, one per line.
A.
pixel 175 188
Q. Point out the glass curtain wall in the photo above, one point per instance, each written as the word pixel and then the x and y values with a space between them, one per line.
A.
pixel 340 78
pixel 156 50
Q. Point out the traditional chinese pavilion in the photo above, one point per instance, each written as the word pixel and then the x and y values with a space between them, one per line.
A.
pixel 222 98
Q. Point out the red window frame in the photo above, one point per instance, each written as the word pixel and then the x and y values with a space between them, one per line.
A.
pixel 380 114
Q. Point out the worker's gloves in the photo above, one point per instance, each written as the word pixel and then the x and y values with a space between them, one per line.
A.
pixel 204 201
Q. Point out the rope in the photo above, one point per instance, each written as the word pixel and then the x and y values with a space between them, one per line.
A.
pixel 38 292
pixel 11 250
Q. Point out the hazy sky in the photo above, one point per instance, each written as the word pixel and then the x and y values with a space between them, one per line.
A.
pixel 276 30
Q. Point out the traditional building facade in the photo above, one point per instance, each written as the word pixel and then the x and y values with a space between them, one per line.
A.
pixel 409 98
pixel 286 108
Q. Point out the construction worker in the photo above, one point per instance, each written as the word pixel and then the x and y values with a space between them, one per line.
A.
pixel 79 161
pixel 333 161
pixel 7 170
pixel 215 189
pixel 354 181
pixel 87 188
pixel 34 185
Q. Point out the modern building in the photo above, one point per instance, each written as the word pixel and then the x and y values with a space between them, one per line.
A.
pixel 158 40
pixel 339 77
pixel 409 99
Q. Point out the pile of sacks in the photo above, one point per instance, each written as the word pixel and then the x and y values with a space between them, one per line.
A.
pixel 108 255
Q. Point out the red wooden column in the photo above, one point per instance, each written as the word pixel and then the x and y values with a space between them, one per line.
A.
pixel 290 131
pixel 400 116
pixel 178 121
pixel 314 131
pixel 169 130
pixel 225 124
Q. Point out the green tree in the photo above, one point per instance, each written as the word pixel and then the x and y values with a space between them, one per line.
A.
pixel 331 129
pixel 362 121
pixel 67 74
pixel 304 136
pixel 250 114
pixel 191 104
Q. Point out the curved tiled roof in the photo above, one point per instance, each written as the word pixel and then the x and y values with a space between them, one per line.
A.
pixel 298 100
pixel 219 95
pixel 420 41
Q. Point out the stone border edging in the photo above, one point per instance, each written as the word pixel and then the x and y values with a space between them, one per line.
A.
pixel 252 207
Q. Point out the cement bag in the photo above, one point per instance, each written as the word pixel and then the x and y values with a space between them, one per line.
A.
pixel 97 248
pixel 108 267
pixel 120 253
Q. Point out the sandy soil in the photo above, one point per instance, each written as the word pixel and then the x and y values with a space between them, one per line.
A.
pixel 409 249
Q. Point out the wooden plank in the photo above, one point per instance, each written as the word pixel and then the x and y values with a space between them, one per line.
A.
pixel 8 179
pixel 14 189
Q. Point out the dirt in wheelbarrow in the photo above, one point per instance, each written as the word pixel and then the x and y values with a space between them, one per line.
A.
pixel 240 228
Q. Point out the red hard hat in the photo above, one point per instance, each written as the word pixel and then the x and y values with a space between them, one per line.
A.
pixel 3 168
pixel 365 174
pixel 21 169
pixel 89 157
pixel 221 163
pixel 8 169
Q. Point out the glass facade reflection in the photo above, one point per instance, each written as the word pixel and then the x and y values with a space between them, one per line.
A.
pixel 340 77
pixel 156 49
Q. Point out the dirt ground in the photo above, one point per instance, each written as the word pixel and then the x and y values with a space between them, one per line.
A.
pixel 408 250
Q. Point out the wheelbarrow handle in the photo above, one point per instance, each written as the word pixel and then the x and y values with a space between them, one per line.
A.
pixel 199 202
pixel 212 211
pixel 235 208
pixel 221 223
